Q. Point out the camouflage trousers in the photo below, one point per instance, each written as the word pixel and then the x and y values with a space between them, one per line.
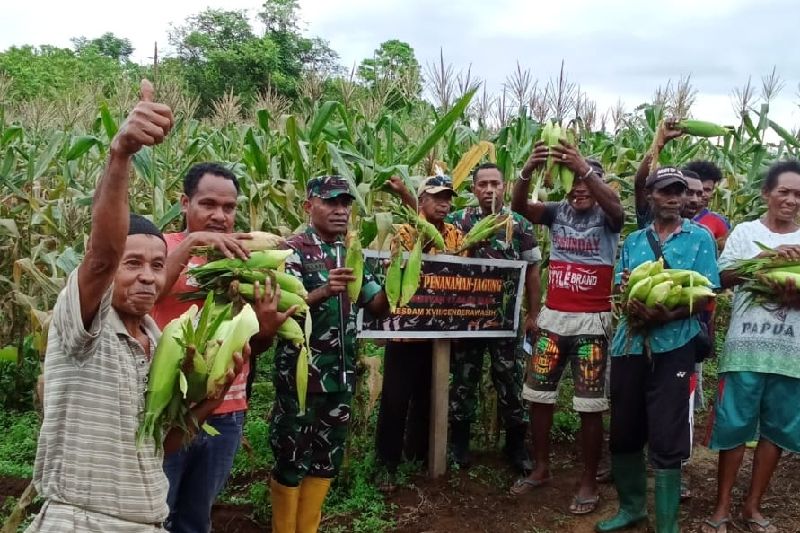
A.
pixel 311 444
pixel 507 371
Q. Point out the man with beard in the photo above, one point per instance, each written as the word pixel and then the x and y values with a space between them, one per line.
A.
pixel 575 322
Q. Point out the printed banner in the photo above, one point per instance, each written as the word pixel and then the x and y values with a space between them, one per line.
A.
pixel 458 297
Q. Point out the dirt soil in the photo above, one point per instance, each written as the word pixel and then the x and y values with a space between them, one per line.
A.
pixel 477 499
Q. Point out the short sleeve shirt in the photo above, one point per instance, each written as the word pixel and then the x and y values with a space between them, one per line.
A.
pixel 522 245
pixel 311 260
pixel 171 307
pixel 582 251
pixel 94 390
pixel 690 247
pixel 761 338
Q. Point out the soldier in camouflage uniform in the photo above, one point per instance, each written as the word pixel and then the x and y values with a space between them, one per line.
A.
pixel 507 368
pixel 309 447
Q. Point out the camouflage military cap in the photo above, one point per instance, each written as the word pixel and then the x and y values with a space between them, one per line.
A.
pixel 327 187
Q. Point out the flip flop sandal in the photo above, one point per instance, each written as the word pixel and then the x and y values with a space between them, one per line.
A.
pixel 577 501
pixel 525 485
pixel 716 525
pixel 759 526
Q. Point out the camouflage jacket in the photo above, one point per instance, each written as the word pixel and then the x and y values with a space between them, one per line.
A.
pixel 310 262
pixel 523 245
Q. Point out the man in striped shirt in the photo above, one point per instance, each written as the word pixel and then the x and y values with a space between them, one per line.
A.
pixel 88 468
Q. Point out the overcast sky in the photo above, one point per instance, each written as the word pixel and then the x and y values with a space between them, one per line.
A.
pixel 615 49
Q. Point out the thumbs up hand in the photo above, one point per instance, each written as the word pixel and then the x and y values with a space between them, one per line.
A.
pixel 147 125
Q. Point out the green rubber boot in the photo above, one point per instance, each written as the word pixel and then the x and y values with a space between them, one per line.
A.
pixel 668 499
pixel 630 478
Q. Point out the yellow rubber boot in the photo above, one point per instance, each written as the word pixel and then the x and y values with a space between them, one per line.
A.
pixel 284 507
pixel 309 510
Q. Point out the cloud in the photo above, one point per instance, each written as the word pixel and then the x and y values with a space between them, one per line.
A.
pixel 612 48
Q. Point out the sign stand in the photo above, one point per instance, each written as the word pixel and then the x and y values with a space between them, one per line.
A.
pixel 440 385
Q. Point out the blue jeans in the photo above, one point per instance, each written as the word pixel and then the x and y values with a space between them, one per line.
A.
pixel 198 472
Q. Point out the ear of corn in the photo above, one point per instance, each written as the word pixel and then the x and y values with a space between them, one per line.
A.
pixel 482 230
pixel 267 259
pixel 262 240
pixel 393 283
pixel 292 332
pixel 411 274
pixel 355 260
pixel 162 380
pixel 640 290
pixel 242 327
pixel 301 378
pixel 701 128
pixel 689 295
pixel 658 293
pixel 688 277
pixel 287 299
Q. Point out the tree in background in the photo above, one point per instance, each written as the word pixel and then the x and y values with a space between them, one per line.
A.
pixel 394 63
pixel 108 45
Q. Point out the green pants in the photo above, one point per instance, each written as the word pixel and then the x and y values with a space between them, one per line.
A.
pixel 310 444
pixel 466 365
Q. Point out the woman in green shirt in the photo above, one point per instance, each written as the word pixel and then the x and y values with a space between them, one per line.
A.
pixel 759 368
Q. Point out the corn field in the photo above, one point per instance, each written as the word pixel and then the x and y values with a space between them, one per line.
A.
pixel 52 154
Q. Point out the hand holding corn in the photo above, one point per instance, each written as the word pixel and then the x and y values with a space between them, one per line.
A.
pixel 570 157
pixel 642 315
pixel 230 245
pixel 230 376
pixel 265 304
pixel 338 278
pixel 537 159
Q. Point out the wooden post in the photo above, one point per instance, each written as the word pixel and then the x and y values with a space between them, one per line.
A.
pixel 440 385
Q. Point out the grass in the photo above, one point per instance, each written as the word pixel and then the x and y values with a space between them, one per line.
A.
pixel 18 446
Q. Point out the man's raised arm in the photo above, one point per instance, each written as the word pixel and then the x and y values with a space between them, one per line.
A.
pixel 147 125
